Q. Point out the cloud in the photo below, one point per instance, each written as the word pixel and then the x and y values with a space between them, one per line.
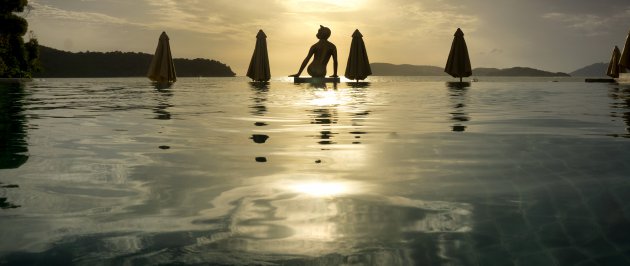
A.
pixel 308 6
pixel 183 15
pixel 210 17
pixel 590 24
pixel 416 19
pixel 45 11
pixel 173 14
pixel 496 51
pixel 492 52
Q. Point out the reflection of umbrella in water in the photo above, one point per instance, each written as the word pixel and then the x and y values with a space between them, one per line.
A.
pixel 358 66
pixel 162 68
pixel 459 115
pixel 621 108
pixel 613 66
pixel 259 65
pixel 162 98
pixel 624 59
pixel 458 63
pixel 260 97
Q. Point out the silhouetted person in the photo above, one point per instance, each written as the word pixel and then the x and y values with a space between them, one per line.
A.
pixel 322 50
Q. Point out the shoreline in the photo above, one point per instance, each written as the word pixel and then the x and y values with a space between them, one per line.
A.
pixel 15 80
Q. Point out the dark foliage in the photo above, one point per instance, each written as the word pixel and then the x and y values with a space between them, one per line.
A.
pixel 62 64
pixel 12 25
pixel 32 54
pixel 16 60
pixel 8 6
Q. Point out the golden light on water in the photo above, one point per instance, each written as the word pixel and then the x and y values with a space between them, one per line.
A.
pixel 329 98
pixel 322 189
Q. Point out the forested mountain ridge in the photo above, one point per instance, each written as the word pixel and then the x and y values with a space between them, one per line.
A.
pixel 592 70
pixel 61 64
pixel 385 69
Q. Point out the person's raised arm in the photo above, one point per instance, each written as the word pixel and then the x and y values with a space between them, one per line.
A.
pixel 334 56
pixel 306 60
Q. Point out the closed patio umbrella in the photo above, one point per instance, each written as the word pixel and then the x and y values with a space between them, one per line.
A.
pixel 259 65
pixel 358 66
pixel 613 66
pixel 162 68
pixel 458 63
pixel 624 59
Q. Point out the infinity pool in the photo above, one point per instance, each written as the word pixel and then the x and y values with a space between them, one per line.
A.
pixel 390 172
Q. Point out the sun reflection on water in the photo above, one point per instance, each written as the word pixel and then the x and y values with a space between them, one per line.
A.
pixel 315 187
pixel 329 98
pixel 321 189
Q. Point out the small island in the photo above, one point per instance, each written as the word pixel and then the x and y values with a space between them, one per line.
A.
pixel 62 64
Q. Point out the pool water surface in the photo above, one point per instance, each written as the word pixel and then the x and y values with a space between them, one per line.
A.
pixel 387 172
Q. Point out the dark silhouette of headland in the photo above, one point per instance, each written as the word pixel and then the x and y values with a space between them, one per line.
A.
pixel 61 64
pixel 386 69
pixel 592 70
pixel 517 72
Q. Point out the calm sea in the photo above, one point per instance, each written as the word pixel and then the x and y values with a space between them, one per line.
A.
pixel 394 171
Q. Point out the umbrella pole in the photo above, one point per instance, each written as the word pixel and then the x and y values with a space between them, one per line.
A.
pixel 460 79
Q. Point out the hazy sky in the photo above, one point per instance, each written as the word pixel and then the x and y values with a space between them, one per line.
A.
pixel 553 35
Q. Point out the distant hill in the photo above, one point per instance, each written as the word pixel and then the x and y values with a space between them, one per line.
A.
pixel 385 69
pixel 516 72
pixel 61 64
pixel 594 70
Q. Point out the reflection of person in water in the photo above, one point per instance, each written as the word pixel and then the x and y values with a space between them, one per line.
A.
pixel 322 50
